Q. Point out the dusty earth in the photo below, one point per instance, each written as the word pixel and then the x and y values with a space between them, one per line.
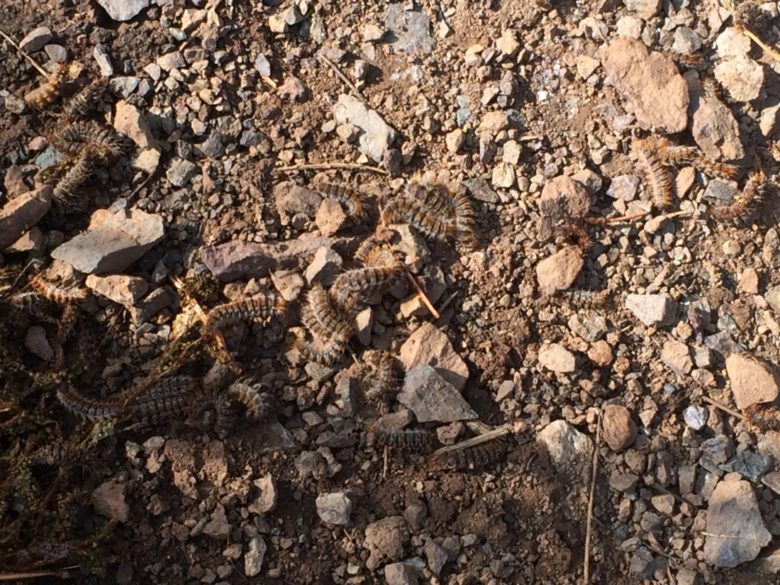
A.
pixel 496 98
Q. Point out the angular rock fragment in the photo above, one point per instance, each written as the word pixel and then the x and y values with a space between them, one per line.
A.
pixel 716 131
pixel 618 429
pixel 377 135
pixel 429 345
pixel 123 10
pixel 254 557
pixel 559 271
pixel 557 358
pixel 21 213
pixel 653 310
pixel 431 398
pixel 752 381
pixel 108 499
pixel 334 508
pixel 120 288
pixel 568 448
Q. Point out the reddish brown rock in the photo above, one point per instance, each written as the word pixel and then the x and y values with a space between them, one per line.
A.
pixel 617 429
pixel 559 271
pixel 21 213
pixel 752 381
pixel 429 345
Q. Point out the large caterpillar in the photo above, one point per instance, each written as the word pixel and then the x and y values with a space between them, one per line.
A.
pixel 471 457
pixel 655 175
pixel 319 315
pixel 57 293
pixel 262 307
pixel 747 201
pixel 414 213
pixel 385 379
pixel 258 404
pixel 85 166
pixel 49 90
pixel 86 408
pixel 407 440
pixel 764 417
pixel 74 138
pixel 349 199
pixel 86 100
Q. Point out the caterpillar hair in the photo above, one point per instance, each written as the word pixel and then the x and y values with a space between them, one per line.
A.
pixel 329 352
pixel 746 202
pixel 84 102
pixel 655 175
pixel 472 457
pixel 320 317
pixel 350 200
pixel 578 235
pixel 84 167
pixel 764 417
pixel 385 378
pixel 352 288
pixel 80 135
pixel 258 403
pixel 409 211
pixel 407 440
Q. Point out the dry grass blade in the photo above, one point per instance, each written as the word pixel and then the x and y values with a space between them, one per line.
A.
pixel 423 297
pixel 60 573
pixel 330 166
pixel 22 52
pixel 344 78
pixel 497 433
pixel 589 522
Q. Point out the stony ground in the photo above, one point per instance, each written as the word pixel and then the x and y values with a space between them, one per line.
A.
pixel 621 293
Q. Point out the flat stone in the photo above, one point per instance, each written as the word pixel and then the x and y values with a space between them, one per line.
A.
pixel 716 131
pixel 153 303
pixel 57 53
pixel 429 345
pixel 123 10
pixel 677 356
pixel 623 187
pixel 334 508
pixel 654 310
pixel 557 358
pixel 372 32
pixel 562 197
pixel 503 176
pixel 654 90
pixel 618 429
pixel 436 555
pixel 686 41
pixel 120 288
pixel 568 448
pixel 377 135
pixel 735 529
pixel 586 65
pixel 108 499
pixel 768 120
pixel 431 398
pixel 254 557
pixel 32 241
pixel 493 122
pixel 410 29
pixel 559 271
pixel 752 381
pixel 748 281
pixel 180 172
pixel 36 39
pixel 400 574
pixel 324 267
pixel 742 77
pixel 21 213
pixel 732 43
pixel 772 297
pixel 112 242
pixel 266 500
pixel 292 199
pixel 147 160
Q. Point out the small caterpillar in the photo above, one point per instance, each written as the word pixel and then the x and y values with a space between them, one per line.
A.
pixel 746 202
pixel 102 140
pixel 227 415
pixel 84 167
pixel 349 199
pixel 385 379
pixel 262 307
pixel 57 293
pixel 330 351
pixel 257 403
pixel 464 218
pixel 414 213
pixel 475 456
pixel 86 408
pixel 655 175
pixel 589 298
pixel 84 102
pixel 48 91
pixel 350 286
pixel 407 440
pixel 764 417
pixel 675 155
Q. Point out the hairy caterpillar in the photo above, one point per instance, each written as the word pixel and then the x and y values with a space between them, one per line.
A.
pixel 57 293
pixel 84 102
pixel 349 199
pixel 655 175
pixel 409 440
pixel 48 91
pixel 474 456
pixel 578 235
pixel 763 416
pixel 385 378
pixel 258 403
pixel 414 213
pixel 86 408
pixel 747 201
pixel 262 307
pixel 84 167
pixel 80 135
pixel 319 315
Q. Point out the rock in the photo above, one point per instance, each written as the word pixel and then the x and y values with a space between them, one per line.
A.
pixel 293 89
pixel 35 340
pixel 266 501
pixel 629 26
pixel 562 197
pixel 330 217
pixel 454 140
pixel 103 59
pixel 749 465
pixel 503 176
pixel 735 529
pixel 57 53
pixel 35 40
pixel 559 271
pixel 431 398
pixel 623 187
pixel 557 358
pixel 171 61
pixel 147 160
pixel 238 259
pixel 372 33
pixel 108 499
pixel 218 526
pixel 716 131
pixel 645 9
pixel 213 146
pixel 732 43
pixel 742 77
pixel 677 356
pixel 696 417
pixel 623 482
pixel 334 508
pixel 112 242
pixel 180 172
pixel 255 554
pixel 600 353
pixel 720 191
pixel 618 429
pixel 436 555
pixel 288 283
pixel 312 464
pixel 123 10
pixel 324 267
pixel 686 41
pixel 664 503
pixel 586 66
pixel 385 539
pixel 400 574
pixel 292 199
pixel 32 241
pixel 21 213
pixel 768 121
pixel 493 122
pixel 122 289
pixel 752 381
pixel 409 28
pixel 153 303
pixel 748 281
pixel 131 122
pixel 653 310
pixel 429 345
pixel 568 448
pixel 655 91
pixel 772 297
pixel 377 136
pixel 588 324
pixel 507 43
pixel 687 577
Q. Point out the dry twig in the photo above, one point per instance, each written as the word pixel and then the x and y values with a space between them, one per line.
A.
pixel 722 407
pixel 330 166
pixel 589 523
pixel 22 52
pixel 343 78
pixel 423 297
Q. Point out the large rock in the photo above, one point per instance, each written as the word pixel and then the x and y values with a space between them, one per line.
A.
pixel 410 28
pixel 559 271
pixel 123 10
pixel 431 398
pixel 752 381
pixel 654 90
pixel 112 242
pixel 735 529
pixel 716 131
pixel 376 134
pixel 652 310
pixel 562 197
pixel 429 345
pixel 21 213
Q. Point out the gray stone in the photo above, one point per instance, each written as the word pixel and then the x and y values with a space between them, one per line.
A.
pixel 123 10
pixel 108 499
pixel 696 417
pixel 103 59
pixel 654 310
pixel 171 61
pixel 324 267
pixel 645 9
pixel 113 241
pixel 716 451
pixel 262 65
pixel 686 41
pixel 213 146
pixel 749 465
pixel 568 448
pixel 385 539
pixel 480 189
pixel 21 213
pixel 180 172
pixel 311 464
pixel 400 574
pixel 153 303
pixel 716 131
pixel 436 555
pixel 36 39
pixel 254 557
pixel 623 187
pixel 742 77
pixel 377 135
pixel 589 325
pixel 35 340
pixel 292 199
pixel 334 508
pixel 218 526
pixel 409 29
pixel 720 191
pixel 431 398
pixel 735 529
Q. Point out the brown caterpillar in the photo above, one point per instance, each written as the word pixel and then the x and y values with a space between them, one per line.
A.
pixel 78 136
pixel 655 175
pixel 49 90
pixel 319 315
pixel 84 102
pixel 385 379
pixel 57 293
pixel 407 440
pixel 464 218
pixel 413 212
pixel 84 167
pixel 330 351
pixel 351 287
pixel 764 417
pixel 86 408
pixel 746 202
pixel 589 298
pixel 672 154
pixel 227 413
pixel 349 199
pixel 259 308
pixel 64 330
pixel 258 404
pixel 479 455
